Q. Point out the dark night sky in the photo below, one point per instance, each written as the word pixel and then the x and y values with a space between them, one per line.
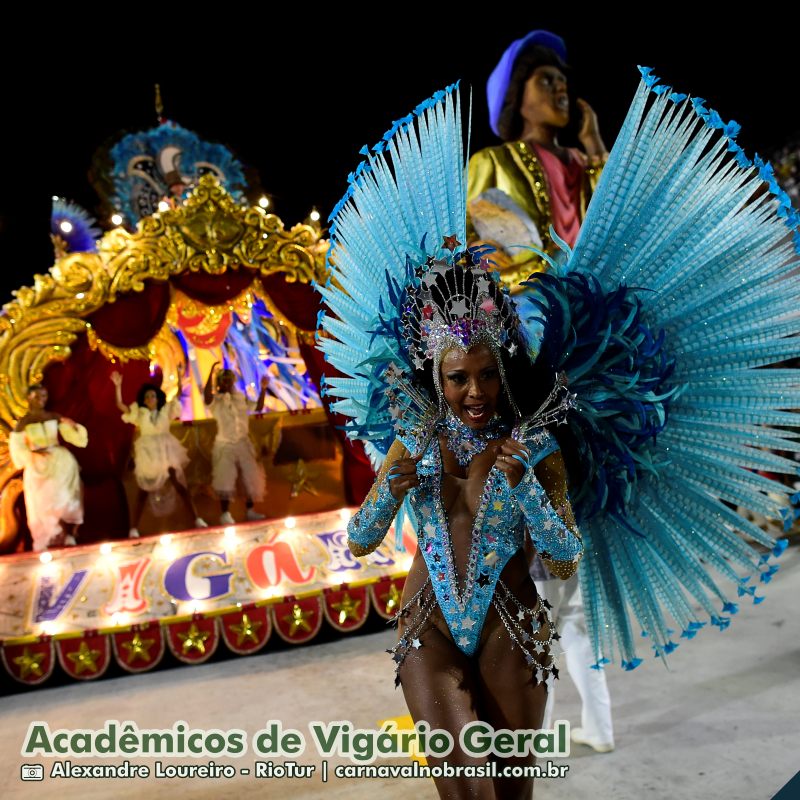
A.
pixel 299 111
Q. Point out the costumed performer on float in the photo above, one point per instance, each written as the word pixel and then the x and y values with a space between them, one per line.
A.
pixel 159 458
pixel 51 477
pixel 234 453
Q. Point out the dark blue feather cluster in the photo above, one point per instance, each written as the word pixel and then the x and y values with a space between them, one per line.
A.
pixel 620 370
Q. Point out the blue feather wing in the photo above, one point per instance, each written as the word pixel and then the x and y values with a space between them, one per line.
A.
pixel 678 294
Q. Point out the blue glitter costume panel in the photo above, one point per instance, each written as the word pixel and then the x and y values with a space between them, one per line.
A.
pixel 498 530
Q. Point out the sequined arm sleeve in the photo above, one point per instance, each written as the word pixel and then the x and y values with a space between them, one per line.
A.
pixel 552 530
pixel 369 525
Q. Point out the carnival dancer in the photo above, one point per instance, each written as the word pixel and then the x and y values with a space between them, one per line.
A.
pixel 656 382
pixel 159 458
pixel 233 452
pixel 51 476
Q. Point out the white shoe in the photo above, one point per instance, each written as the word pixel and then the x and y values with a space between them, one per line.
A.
pixel 133 533
pixel 578 735
pixel 227 519
pixel 199 522
pixel 253 516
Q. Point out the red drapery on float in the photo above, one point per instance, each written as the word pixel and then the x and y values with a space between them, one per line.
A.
pixel 81 388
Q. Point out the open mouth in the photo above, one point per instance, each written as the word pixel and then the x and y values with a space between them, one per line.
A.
pixel 477 413
pixel 562 102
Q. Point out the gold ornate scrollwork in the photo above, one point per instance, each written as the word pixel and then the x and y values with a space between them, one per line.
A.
pixel 210 232
pixel 41 324
pixel 10 490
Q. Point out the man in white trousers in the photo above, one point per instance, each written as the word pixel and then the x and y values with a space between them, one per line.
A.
pixel 596 729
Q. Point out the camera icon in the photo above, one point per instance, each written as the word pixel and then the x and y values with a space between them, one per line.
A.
pixel 32 772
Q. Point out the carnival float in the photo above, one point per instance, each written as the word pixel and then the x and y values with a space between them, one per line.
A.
pixel 191 273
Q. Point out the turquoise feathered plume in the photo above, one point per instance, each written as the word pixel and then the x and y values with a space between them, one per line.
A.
pixel 402 201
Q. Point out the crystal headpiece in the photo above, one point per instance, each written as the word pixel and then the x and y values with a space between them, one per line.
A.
pixel 457 303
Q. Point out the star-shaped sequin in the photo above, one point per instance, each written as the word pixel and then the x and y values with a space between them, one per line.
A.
pixel 463 641
pixel 468 623
pixel 450 243
pixel 484 580
pixel 459 308
pixel 246 630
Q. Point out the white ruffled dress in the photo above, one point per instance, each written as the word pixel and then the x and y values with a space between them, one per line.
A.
pixel 51 479
pixel 156 450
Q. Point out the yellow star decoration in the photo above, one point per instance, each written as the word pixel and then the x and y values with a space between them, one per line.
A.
pixel 498 505
pixel 84 660
pixel 391 598
pixel 246 629
pixel 29 663
pixel 194 639
pixel 302 479
pixel 347 608
pixel 138 648
pixel 298 619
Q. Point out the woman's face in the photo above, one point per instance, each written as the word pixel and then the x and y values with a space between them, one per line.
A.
pixel 37 398
pixel 471 384
pixel 151 400
pixel 544 99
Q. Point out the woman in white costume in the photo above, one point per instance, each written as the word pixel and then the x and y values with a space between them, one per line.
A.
pixel 159 457
pixel 51 478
